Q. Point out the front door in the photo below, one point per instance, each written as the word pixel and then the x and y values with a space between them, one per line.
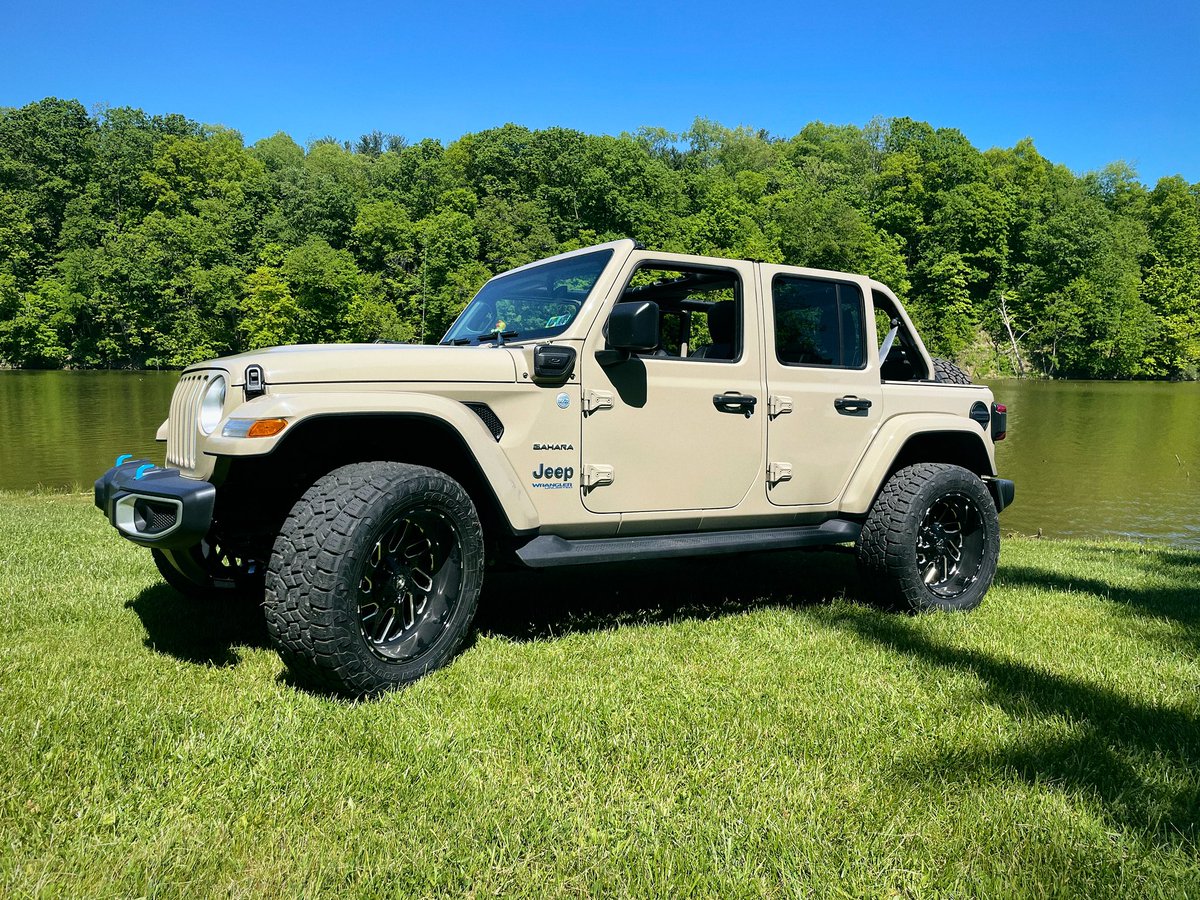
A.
pixel 681 427
pixel 824 399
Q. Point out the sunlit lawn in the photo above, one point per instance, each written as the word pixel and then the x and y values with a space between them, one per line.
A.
pixel 735 727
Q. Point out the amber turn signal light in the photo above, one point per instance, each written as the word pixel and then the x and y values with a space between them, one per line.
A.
pixel 266 428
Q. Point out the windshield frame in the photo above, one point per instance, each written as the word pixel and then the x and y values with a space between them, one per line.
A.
pixel 502 289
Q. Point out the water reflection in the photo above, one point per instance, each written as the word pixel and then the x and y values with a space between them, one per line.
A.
pixel 1098 459
pixel 63 428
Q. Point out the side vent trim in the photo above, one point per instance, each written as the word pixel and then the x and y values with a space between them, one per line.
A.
pixel 490 419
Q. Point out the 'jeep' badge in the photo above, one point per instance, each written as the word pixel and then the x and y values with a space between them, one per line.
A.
pixel 564 400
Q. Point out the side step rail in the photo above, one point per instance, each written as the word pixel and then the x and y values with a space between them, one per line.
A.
pixel 551 550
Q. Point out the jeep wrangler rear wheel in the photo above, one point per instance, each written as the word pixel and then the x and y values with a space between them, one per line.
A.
pixel 375 577
pixel 931 540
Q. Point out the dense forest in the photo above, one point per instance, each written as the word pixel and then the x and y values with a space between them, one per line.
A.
pixel 130 241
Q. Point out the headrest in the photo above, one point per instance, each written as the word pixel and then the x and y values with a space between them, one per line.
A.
pixel 722 322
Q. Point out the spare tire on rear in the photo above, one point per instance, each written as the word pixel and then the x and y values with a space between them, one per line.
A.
pixel 949 373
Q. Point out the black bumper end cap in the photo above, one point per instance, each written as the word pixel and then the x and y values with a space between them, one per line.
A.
pixel 196 499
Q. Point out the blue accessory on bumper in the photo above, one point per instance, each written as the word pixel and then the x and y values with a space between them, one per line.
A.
pixel 155 507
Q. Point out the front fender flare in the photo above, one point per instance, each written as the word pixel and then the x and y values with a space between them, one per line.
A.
pixel 296 408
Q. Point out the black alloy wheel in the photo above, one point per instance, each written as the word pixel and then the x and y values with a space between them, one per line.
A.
pixel 410 584
pixel 950 544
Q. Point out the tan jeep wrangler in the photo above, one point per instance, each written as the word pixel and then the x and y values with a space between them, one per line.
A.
pixel 606 404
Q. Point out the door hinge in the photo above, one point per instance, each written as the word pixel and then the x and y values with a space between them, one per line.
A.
pixel 778 404
pixel 778 471
pixel 594 400
pixel 595 476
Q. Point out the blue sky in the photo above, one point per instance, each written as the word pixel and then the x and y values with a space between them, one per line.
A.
pixel 1089 82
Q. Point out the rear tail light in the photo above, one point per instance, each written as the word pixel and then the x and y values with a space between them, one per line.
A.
pixel 999 421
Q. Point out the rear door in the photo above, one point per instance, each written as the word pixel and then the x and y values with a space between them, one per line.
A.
pixel 824 400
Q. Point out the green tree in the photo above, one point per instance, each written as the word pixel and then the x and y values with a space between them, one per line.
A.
pixel 269 314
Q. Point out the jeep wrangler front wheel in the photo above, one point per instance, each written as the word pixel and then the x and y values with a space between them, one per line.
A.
pixel 375 577
pixel 931 540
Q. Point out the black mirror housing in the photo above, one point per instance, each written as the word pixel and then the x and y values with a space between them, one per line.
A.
pixel 633 327
pixel 553 361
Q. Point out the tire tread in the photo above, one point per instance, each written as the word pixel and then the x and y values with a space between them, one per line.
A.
pixel 308 598
pixel 886 544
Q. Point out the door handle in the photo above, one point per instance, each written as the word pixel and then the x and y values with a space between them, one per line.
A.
pixel 851 404
pixel 733 402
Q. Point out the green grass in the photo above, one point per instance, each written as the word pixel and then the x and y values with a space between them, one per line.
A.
pixel 724 728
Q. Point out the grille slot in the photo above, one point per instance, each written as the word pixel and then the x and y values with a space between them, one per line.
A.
pixel 152 517
pixel 185 412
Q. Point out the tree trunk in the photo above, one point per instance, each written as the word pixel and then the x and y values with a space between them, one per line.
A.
pixel 1017 364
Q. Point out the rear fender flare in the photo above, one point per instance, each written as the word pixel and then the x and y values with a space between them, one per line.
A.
pixel 889 442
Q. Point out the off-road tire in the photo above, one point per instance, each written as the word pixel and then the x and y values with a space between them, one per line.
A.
pixel 332 545
pixel 908 519
pixel 204 572
pixel 949 373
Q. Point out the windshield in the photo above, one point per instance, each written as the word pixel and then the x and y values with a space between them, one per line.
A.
pixel 536 303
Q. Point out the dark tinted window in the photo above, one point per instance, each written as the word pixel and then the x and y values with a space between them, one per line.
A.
pixel 818 323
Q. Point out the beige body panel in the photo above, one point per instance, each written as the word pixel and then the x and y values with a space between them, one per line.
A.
pixel 659 454
pixel 358 363
pixel 299 405
pixel 821 444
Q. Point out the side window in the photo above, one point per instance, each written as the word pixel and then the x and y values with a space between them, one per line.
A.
pixel 818 323
pixel 700 309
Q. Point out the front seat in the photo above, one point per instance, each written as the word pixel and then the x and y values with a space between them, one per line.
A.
pixel 722 325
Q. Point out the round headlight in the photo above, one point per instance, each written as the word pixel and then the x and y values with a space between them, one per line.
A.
pixel 212 405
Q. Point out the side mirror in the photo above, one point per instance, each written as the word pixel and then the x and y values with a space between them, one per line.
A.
pixel 633 327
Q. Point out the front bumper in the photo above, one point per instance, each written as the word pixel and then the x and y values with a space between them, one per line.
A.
pixel 155 507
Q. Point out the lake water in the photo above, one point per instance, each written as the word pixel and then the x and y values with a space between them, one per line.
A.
pixel 1090 459
pixel 1103 459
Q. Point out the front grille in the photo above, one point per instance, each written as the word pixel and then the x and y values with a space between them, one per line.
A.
pixel 185 412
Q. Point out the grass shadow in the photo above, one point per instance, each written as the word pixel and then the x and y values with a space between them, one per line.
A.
pixel 1170 587
pixel 206 632
pixel 1138 761
pixel 541 604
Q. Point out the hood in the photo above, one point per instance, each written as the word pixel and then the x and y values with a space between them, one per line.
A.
pixel 343 363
